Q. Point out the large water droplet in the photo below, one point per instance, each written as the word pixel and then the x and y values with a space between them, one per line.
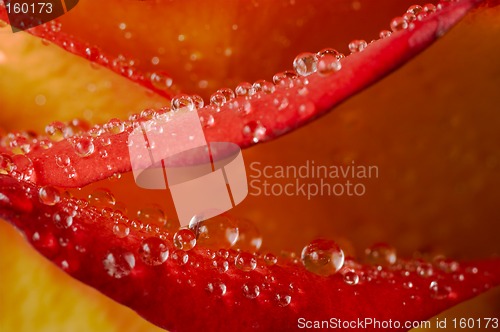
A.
pixel 246 261
pixel 381 254
pixel 323 257
pixel 118 263
pixel 153 251
pixel 305 63
pixel 184 239
pixel 49 195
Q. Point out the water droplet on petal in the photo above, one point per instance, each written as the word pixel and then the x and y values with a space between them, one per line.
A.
pixel 251 290
pixel 330 51
pixel 357 45
pixel 305 63
pixel 198 101
pixel 182 103
pixel 381 254
pixel 398 24
pixel 115 126
pixel 217 288
pixel 161 81
pixel 6 164
pixel 218 232
pixel 84 146
pixel 429 8
pixel 184 239
pixel 425 269
pixel 49 195
pixel 101 198
pixel 245 89
pixel 249 238
pixel 118 263
pixel 152 215
pixel 323 257
pixel 227 93
pixel 121 230
pixel 351 277
pixel 384 34
pixel 62 219
pixel 408 285
pixel 263 86
pixel 255 130
pixel 153 251
pixel 439 290
pixel 246 261
pixel 415 9
pixel 221 264
pixel 180 257
pixel 217 99
pixel 282 300
pixel 409 17
pixel 328 64
pixel 270 259
pixel 55 131
pixel 285 79
pixel 446 264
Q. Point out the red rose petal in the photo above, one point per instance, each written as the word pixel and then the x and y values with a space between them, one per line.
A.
pixel 186 292
pixel 247 120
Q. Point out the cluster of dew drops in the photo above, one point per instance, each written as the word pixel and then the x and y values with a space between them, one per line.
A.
pixel 240 245
pixel 229 243
pixel 86 140
pixel 324 62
